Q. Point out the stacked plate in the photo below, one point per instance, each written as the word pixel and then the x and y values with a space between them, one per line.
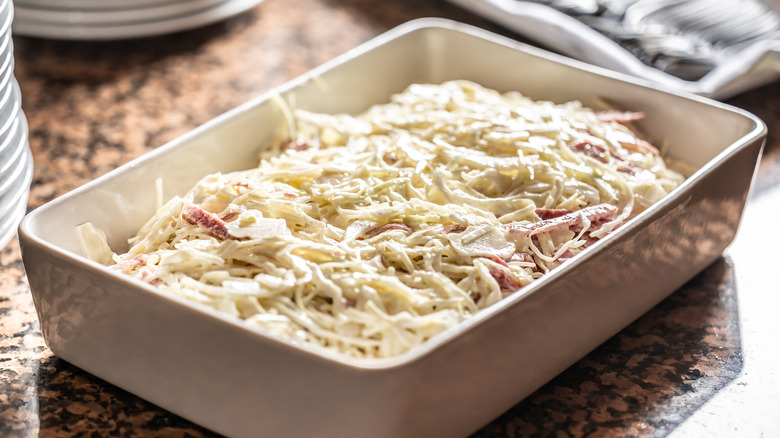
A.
pixel 16 163
pixel 117 19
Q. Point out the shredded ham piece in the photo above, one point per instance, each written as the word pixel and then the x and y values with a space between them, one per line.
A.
pixel 387 227
pixel 592 150
pixel 566 254
pixel 619 116
pixel 210 221
pixel 551 213
pixel 498 260
pixel 296 145
pixel 230 216
pixel 505 281
pixel 135 262
pixel 596 214
pixel 522 257
pixel 455 228
pixel 629 168
pixel 639 145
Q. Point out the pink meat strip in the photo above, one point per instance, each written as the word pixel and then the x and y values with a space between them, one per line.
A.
pixel 454 228
pixel 505 281
pixel 639 145
pixel 295 145
pixel 619 116
pixel 596 214
pixel 566 254
pixel 230 216
pixel 628 168
pixel 602 154
pixel 592 150
pixel 210 221
pixel 551 213
pixel 387 227
pixel 135 262
pixel 522 257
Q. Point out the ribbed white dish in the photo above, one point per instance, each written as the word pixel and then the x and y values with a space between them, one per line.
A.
pixel 86 21
pixel 14 203
pixel 59 16
pixel 11 159
pixel 92 4
pixel 16 161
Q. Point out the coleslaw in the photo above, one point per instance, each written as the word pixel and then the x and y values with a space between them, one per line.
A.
pixel 370 234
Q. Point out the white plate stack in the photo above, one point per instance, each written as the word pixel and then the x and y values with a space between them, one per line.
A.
pixel 16 162
pixel 118 19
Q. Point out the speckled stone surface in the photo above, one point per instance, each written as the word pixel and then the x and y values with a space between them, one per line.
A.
pixel 94 106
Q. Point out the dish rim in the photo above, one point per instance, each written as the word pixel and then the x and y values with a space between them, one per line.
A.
pixel 108 31
pixel 418 352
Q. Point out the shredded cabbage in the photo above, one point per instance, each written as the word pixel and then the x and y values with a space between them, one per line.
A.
pixel 369 235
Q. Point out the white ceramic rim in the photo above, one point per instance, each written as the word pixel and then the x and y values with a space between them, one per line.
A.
pixel 21 184
pixel 83 17
pixel 8 227
pixel 12 96
pixel 9 163
pixel 103 5
pixel 6 46
pixel 16 208
pixel 21 164
pixel 7 69
pixel 219 12
pixel 7 10
pixel 7 139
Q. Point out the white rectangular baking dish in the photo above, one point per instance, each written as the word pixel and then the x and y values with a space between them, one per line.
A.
pixel 238 381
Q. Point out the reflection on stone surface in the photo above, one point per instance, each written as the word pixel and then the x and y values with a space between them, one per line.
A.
pixel 21 344
pixel 648 378
pixel 78 403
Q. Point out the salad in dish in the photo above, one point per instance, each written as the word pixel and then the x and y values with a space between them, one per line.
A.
pixel 370 234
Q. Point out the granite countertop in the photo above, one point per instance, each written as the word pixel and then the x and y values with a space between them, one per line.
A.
pixel 702 362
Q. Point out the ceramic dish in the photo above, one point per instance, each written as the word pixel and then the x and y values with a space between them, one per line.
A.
pixel 86 17
pixel 5 9
pixel 94 4
pixel 15 165
pixel 16 161
pixel 6 16
pixel 13 215
pixel 239 381
pixel 12 168
pixel 9 143
pixel 10 105
pixel 31 23
pixel 13 144
pixel 20 184
pixel 6 51
pixel 13 205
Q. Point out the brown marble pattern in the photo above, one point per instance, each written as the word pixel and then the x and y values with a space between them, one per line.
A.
pixel 94 106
